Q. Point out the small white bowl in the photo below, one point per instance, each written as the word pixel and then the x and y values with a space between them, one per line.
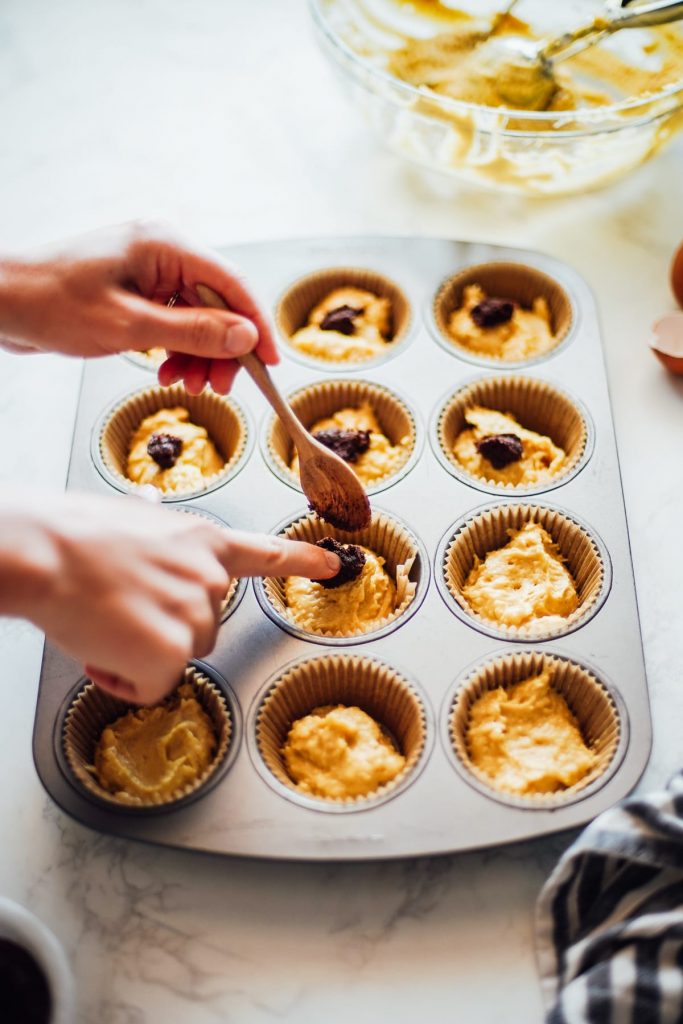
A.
pixel 21 926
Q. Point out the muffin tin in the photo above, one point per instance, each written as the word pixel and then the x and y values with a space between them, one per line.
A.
pixel 416 672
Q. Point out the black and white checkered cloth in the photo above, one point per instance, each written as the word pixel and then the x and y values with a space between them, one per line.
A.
pixel 609 920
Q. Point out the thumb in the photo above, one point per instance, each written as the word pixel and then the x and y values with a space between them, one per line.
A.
pixel 193 330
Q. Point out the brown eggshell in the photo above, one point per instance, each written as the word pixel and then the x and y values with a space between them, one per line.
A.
pixel 677 275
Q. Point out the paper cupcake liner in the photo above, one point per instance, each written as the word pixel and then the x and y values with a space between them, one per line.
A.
pixel 319 401
pixel 351 680
pixel 589 700
pixel 293 308
pixel 487 531
pixel 92 710
pixel 536 404
pixel 226 603
pixel 222 417
pixel 385 536
pixel 515 281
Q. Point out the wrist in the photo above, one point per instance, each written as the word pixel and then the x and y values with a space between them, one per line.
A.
pixel 13 304
pixel 29 561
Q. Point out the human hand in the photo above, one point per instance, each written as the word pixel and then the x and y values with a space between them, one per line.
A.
pixel 107 292
pixel 131 589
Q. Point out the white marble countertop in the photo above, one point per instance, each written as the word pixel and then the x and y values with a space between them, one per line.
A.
pixel 222 117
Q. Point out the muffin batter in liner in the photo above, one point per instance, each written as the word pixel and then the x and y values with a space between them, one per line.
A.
pixel 319 401
pixel 146 361
pixel 385 536
pixel 300 299
pixel 514 281
pixel 222 417
pixel 351 680
pixel 590 702
pixel 487 531
pixel 536 405
pixel 92 710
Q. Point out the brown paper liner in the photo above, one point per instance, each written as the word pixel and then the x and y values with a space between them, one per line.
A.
pixel 221 417
pixel 295 305
pixel 92 710
pixel 590 702
pixel 234 580
pixel 487 531
pixel 351 680
pixel 536 405
pixel 385 536
pixel 318 401
pixel 514 281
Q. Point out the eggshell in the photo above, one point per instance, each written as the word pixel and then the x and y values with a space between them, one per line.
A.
pixel 677 275
pixel 667 341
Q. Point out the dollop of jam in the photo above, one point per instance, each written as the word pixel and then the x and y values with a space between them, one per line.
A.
pixel 25 993
pixel 500 449
pixel 352 560
pixel 340 319
pixel 347 444
pixel 164 449
pixel 491 312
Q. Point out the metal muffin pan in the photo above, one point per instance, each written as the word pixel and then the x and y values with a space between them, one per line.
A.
pixel 439 809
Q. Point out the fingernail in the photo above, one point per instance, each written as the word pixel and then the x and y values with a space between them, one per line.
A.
pixel 333 561
pixel 240 339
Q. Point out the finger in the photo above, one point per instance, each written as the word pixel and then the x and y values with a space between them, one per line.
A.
pixel 161 261
pixel 195 375
pixel 222 373
pixel 210 269
pixel 253 554
pixel 148 493
pixel 197 331
pixel 111 684
pixel 172 369
pixel 16 349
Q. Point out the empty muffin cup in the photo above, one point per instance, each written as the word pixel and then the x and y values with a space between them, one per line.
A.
pixel 322 400
pixel 222 417
pixel 536 405
pixel 297 302
pixel 517 282
pixel 92 710
pixel 352 681
pixel 405 563
pixel 599 720
pixel 472 538
pixel 232 598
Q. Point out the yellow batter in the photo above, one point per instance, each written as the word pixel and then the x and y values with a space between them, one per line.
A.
pixel 155 752
pixel 380 459
pixel 198 460
pixel 526 739
pixel 156 355
pixel 358 606
pixel 371 328
pixel 522 582
pixel 338 752
pixel 541 459
pixel 460 64
pixel 526 335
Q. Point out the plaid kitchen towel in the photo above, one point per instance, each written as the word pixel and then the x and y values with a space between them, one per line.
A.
pixel 609 920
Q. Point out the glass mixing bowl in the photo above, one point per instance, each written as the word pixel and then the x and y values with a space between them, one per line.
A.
pixel 529 152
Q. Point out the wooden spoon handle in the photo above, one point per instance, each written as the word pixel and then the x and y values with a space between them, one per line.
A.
pixel 260 375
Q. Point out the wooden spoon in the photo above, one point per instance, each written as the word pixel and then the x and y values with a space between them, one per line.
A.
pixel 333 490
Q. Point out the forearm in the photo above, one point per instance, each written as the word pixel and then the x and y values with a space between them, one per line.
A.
pixel 28 560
